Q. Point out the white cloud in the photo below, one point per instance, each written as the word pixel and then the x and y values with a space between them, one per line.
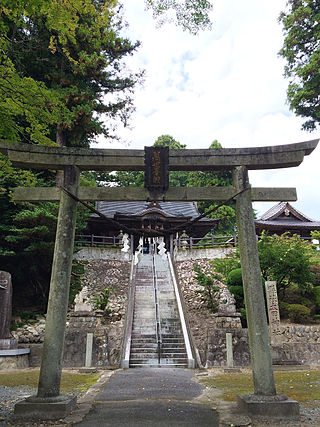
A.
pixel 226 84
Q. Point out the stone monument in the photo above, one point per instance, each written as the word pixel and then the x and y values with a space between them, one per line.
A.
pixel 10 355
pixel 82 301
pixel 6 340
pixel 273 312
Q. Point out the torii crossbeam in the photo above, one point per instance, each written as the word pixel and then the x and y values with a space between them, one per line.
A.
pixel 73 160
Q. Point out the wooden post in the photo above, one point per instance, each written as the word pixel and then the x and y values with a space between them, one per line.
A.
pixel 50 372
pixel 252 285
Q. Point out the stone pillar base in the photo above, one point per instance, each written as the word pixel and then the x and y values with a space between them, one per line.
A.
pixel 277 406
pixel 35 408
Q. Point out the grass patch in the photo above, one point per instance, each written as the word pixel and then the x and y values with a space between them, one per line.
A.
pixel 70 382
pixel 303 386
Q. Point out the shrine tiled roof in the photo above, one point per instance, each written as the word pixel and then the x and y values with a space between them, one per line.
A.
pixel 284 215
pixel 290 225
pixel 279 209
pixel 170 209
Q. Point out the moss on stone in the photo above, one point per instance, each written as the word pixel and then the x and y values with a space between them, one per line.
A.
pixel 303 386
pixel 71 382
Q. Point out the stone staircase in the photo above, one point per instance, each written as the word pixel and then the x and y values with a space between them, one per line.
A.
pixel 143 352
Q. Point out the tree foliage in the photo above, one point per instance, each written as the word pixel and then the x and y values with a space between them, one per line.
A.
pixel 27 233
pixel 191 15
pixel 209 291
pixel 301 49
pixel 136 178
pixel 61 71
pixel 225 213
pixel 286 260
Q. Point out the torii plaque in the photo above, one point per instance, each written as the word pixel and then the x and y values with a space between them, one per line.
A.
pixel 72 160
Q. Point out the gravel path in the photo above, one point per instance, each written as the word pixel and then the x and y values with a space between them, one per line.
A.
pixel 9 396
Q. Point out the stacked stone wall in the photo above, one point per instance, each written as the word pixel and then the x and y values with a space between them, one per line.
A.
pixel 107 327
pixel 299 343
pixel 217 351
pixel 300 333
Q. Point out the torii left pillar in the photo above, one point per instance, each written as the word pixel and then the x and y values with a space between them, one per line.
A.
pixel 48 403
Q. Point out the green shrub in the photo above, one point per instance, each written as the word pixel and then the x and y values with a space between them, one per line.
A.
pixel 316 317
pixel 235 277
pixel 243 317
pixel 209 291
pixel 308 303
pixel 316 296
pixel 223 266
pixel 101 300
pixel 283 308
pixel 78 270
pixel 298 313
pixel 237 292
pixel 315 269
pixel 292 294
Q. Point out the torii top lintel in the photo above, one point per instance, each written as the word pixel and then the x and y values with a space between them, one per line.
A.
pixel 270 157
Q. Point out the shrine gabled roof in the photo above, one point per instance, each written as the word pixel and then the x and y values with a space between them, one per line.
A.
pixel 284 215
pixel 281 208
pixel 289 225
pixel 170 209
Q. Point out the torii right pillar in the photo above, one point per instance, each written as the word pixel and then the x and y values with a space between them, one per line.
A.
pixel 264 401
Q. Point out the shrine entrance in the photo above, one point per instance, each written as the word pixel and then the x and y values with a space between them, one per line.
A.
pixel 157 162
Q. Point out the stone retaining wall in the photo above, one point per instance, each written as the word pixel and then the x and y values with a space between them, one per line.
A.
pixel 205 254
pixel 217 352
pixel 107 327
pixel 14 362
pixel 300 333
pixel 300 345
pixel 89 253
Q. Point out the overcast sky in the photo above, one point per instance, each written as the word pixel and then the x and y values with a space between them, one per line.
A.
pixel 225 84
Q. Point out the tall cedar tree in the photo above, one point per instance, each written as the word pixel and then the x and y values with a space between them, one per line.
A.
pixel 301 49
pixel 83 70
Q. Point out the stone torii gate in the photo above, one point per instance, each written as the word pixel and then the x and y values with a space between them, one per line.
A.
pixel 48 403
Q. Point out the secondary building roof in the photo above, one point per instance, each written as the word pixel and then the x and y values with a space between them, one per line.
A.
pixel 283 217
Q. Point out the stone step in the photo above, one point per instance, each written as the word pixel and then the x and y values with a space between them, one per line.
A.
pixel 153 346
pixel 165 356
pixel 173 338
pixel 156 365
pixel 154 360
pixel 146 330
pixel 165 337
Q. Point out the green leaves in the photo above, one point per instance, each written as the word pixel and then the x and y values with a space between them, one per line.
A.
pixel 209 291
pixel 301 49
pixel 58 60
pixel 286 260
pixel 191 15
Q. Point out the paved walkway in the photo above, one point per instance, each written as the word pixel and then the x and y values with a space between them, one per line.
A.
pixel 150 396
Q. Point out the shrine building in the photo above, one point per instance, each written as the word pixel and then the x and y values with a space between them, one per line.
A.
pixel 146 217
pixel 283 218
